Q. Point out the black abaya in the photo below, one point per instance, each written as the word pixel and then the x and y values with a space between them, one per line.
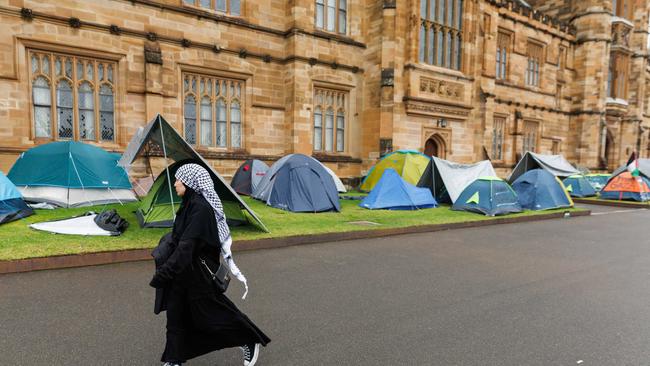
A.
pixel 199 318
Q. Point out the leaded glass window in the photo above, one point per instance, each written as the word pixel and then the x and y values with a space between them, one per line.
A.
pixel 86 111
pixel 190 119
pixel 42 99
pixel 318 129
pixel 71 82
pixel 220 114
pixel 329 120
pixel 64 108
pixel 441 33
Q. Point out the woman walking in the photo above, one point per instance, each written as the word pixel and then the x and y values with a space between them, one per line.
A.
pixel 201 319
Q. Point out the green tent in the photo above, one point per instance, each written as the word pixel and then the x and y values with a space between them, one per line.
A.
pixel 157 208
pixel 160 139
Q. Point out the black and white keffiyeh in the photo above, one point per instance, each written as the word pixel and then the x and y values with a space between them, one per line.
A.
pixel 199 180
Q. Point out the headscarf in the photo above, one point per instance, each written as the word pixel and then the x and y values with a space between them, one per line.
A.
pixel 199 180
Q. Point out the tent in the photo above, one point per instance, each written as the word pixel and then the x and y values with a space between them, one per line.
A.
pixel 409 164
pixel 12 206
pixel 337 181
pixel 538 189
pixel 490 196
pixel 643 165
pixel 159 138
pixel 598 181
pixel 394 193
pixel 554 164
pixel 71 174
pixel 446 179
pixel 248 176
pixel 626 187
pixel 298 183
pixel 579 186
pixel 157 208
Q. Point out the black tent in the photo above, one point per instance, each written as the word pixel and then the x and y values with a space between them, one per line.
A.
pixel 248 176
pixel 158 138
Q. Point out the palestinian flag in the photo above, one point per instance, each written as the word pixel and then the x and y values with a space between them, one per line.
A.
pixel 633 165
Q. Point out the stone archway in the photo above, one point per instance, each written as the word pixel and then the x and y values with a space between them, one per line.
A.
pixel 435 146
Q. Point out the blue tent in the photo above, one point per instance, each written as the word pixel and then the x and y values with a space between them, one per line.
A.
pixel 394 193
pixel 579 186
pixel 70 173
pixel 538 189
pixel 490 196
pixel 299 183
pixel 12 206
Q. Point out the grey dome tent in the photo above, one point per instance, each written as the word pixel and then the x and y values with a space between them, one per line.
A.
pixel 248 176
pixel 158 138
pixel 298 183
pixel 554 164
pixel 446 180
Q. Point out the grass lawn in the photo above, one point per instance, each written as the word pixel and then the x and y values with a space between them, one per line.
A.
pixel 18 241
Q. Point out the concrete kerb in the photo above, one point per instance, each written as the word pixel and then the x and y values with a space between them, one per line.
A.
pixel 93 259
pixel 611 203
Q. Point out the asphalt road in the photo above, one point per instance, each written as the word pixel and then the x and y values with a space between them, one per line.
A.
pixel 559 292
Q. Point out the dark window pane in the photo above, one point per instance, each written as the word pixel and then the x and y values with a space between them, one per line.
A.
pixel 190 120
pixel 86 112
pixel 64 105
pixel 106 115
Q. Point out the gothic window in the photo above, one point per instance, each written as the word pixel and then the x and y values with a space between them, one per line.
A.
pixel 42 98
pixel 331 15
pixel 498 132
pixel 318 129
pixel 531 129
pixel 503 52
pixel 225 6
pixel 72 82
pixel 329 120
pixel 535 56
pixel 214 111
pixel 441 33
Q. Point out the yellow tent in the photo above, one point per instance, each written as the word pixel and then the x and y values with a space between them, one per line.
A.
pixel 410 165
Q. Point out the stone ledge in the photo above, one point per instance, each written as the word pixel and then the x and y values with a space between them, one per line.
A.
pixel 93 259
pixel 611 203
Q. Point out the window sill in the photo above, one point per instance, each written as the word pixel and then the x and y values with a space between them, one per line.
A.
pixel 616 102
pixel 212 11
pixel 334 158
pixel 441 70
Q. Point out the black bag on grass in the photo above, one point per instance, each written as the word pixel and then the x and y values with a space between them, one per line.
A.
pixel 111 221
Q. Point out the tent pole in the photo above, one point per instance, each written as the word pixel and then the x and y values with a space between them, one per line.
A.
pixel 169 181
pixel 83 189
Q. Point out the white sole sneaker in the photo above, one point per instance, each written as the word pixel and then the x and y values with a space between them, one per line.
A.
pixel 256 353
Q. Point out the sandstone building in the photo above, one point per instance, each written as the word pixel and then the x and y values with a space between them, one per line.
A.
pixel 343 80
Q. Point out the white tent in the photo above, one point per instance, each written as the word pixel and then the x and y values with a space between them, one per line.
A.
pixel 447 179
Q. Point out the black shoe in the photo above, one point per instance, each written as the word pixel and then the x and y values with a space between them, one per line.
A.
pixel 251 352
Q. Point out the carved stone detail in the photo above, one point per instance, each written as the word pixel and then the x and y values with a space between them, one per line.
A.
pixel 621 34
pixel 442 88
pixel 435 110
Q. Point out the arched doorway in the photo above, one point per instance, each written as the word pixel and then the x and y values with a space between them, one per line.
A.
pixel 435 146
